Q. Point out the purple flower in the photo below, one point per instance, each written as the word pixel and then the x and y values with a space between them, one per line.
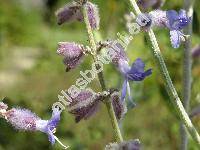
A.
pixel 84 105
pixel 49 126
pixel 72 52
pixel 134 73
pixel 174 21
pixel 24 119
pixel 118 57
pixel 72 11
pixel 177 21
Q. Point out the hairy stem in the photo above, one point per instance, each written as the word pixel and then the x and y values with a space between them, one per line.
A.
pixel 168 83
pixel 187 67
pixel 117 133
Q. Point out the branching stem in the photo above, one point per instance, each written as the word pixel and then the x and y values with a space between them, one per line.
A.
pixel 117 133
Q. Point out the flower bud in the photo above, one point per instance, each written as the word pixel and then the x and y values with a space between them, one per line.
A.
pixel 116 52
pixel 84 105
pixel 72 53
pixel 118 105
pixel 93 15
pixel 70 49
pixel 22 119
pixel 159 18
pixel 144 21
pixel 70 12
pixel 71 63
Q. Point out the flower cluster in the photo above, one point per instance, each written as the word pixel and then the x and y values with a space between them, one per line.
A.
pixel 25 120
pixel 134 73
pixel 72 12
pixel 74 52
pixel 87 103
pixel 84 105
pixel 172 20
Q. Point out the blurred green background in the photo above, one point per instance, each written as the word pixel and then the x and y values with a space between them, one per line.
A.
pixel 32 75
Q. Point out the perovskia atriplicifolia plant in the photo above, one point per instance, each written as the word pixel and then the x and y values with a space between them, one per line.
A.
pixel 84 103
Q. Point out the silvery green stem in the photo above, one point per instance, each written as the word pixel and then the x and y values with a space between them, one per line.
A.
pixel 187 75
pixel 168 83
pixel 117 133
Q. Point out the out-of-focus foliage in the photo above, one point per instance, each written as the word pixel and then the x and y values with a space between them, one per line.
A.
pixel 32 75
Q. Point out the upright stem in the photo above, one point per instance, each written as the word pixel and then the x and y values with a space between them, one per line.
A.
pixel 168 83
pixel 187 66
pixel 117 133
